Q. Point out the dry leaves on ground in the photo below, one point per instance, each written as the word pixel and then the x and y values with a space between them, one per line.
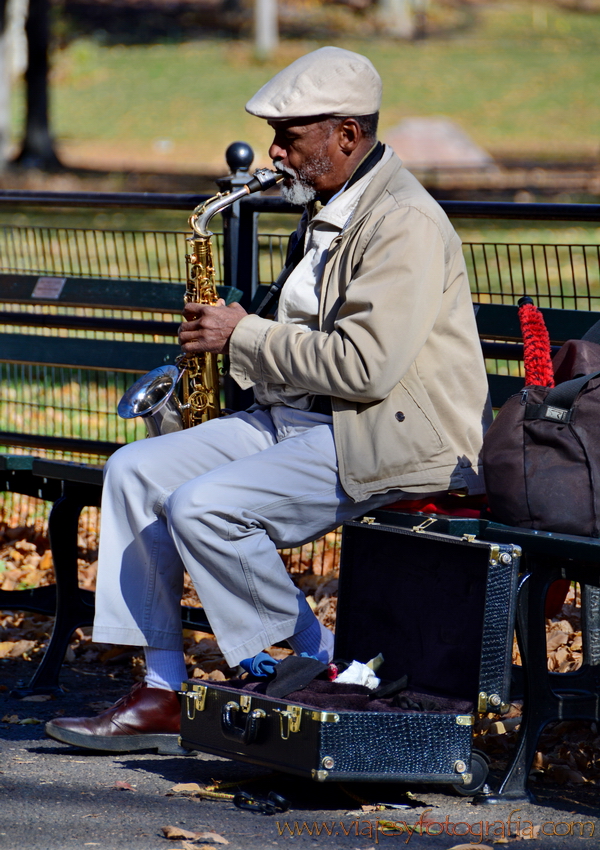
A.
pixel 185 789
pixel 120 785
pixel 176 832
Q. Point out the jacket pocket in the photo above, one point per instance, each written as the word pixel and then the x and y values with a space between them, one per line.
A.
pixel 418 413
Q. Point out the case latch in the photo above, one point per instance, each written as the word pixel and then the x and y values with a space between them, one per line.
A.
pixel 195 700
pixel 289 720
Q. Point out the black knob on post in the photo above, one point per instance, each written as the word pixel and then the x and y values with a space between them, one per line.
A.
pixel 239 156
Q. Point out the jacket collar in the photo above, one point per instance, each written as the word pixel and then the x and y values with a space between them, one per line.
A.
pixel 375 189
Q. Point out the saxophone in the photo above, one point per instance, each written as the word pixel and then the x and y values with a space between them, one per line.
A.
pixel 154 396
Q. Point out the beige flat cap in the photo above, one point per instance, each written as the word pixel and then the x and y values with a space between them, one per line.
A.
pixel 328 81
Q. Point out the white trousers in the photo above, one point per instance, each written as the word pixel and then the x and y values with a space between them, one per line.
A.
pixel 217 500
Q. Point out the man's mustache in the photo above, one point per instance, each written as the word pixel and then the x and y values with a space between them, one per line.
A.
pixel 283 169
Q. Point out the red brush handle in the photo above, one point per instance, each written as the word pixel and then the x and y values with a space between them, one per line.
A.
pixel 536 345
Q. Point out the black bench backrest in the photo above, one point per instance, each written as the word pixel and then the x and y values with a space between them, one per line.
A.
pixel 55 328
pixel 121 297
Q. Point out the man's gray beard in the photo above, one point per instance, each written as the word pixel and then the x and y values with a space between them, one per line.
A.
pixel 300 194
pixel 302 191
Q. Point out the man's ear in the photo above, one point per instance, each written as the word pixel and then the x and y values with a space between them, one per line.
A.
pixel 350 135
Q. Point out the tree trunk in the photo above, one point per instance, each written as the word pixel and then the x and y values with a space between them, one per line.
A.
pixel 397 18
pixel 38 145
pixel 266 28
pixel 4 86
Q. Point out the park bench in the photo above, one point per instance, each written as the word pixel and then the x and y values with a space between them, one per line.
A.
pixel 70 486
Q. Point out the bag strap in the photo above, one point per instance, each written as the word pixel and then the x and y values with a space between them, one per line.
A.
pixel 565 394
pixel 593 334
pixel 558 404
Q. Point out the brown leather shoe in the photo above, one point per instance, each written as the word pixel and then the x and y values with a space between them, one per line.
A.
pixel 145 719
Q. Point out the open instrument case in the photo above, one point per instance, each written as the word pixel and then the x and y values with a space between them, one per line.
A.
pixel 441 610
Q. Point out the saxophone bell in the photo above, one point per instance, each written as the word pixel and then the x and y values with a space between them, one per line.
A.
pixel 153 397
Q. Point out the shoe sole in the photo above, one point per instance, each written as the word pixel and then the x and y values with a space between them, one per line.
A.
pixel 164 744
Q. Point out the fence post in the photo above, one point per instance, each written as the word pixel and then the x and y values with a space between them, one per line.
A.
pixel 239 158
pixel 240 256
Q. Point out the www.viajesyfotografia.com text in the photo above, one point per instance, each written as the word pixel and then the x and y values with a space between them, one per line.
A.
pixel 474 832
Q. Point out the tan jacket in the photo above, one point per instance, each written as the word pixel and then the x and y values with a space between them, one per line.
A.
pixel 397 349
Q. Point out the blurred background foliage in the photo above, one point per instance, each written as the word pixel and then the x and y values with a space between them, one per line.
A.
pixel 163 83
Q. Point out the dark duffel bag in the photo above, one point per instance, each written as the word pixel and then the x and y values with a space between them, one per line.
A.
pixel 541 455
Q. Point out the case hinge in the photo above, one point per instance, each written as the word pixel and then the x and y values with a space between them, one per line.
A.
pixel 325 717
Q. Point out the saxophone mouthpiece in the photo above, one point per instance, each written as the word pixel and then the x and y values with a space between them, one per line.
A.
pixel 263 179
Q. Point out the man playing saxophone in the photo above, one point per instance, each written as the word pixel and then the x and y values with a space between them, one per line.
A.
pixel 369 385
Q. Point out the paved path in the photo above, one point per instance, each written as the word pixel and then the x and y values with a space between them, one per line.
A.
pixel 54 797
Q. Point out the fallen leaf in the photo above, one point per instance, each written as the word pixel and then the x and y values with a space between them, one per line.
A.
pixel 20 648
pixel 46 562
pixel 173 832
pixel 37 698
pixel 211 836
pixel 217 676
pixel 29 721
pixel 528 833
pixel 564 775
pixel 185 788
pixel 470 847
pixel 6 647
pixel 124 786
pixel 10 718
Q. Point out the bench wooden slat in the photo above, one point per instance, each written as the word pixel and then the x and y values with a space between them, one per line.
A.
pixel 503 386
pixel 501 321
pixel 89 323
pixel 547 543
pixel 106 293
pixel 65 444
pixel 110 355
pixel 64 470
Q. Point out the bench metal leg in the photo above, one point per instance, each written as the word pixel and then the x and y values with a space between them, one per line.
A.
pixel 74 606
pixel 547 697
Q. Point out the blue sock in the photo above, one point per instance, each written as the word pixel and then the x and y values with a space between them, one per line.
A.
pixel 316 640
pixel 165 668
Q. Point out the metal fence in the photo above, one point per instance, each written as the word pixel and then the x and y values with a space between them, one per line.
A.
pixel 566 276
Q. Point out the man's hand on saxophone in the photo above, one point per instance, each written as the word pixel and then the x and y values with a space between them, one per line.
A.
pixel 208 328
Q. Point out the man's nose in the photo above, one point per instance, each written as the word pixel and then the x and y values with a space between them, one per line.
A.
pixel 276 152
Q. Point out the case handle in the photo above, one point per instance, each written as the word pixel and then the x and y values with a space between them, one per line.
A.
pixel 246 734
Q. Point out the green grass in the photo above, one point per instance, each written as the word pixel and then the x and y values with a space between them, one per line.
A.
pixel 522 78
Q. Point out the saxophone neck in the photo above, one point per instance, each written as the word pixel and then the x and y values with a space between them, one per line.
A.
pixel 264 178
